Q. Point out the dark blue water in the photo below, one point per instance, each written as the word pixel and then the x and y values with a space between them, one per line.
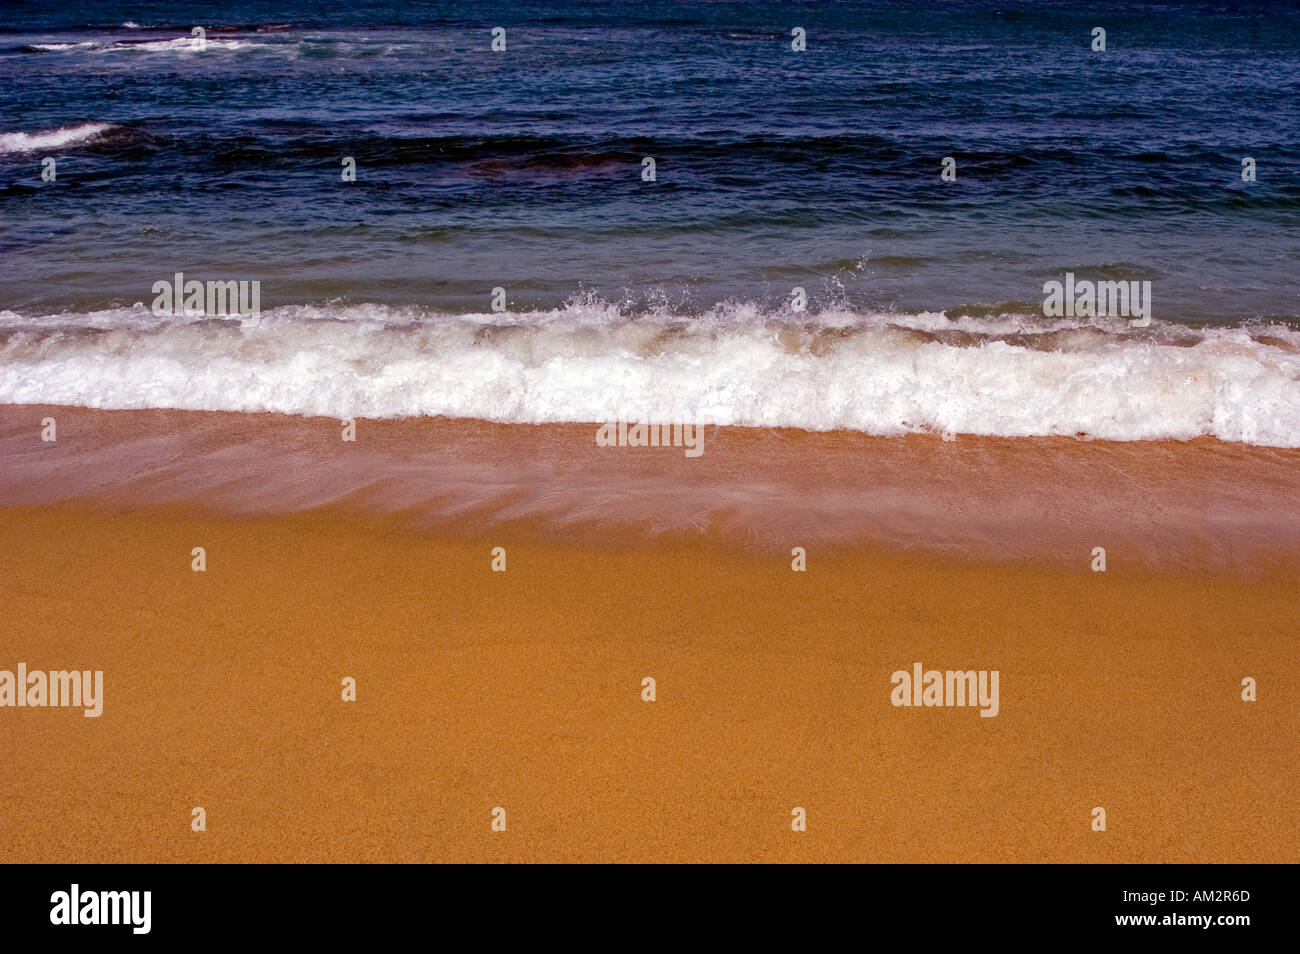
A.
pixel 523 169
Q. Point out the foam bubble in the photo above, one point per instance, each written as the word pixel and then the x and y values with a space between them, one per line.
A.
pixel 876 373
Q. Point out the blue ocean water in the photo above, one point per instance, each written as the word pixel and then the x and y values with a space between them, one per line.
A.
pixel 522 169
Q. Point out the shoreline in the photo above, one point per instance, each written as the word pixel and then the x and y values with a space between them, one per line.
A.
pixel 1201 507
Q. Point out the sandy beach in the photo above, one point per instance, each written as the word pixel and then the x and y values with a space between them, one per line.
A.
pixel 649 432
pixel 522 689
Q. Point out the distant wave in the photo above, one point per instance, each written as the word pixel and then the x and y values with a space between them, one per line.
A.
pixel 876 373
pixel 179 44
pixel 51 139
pixel 59 47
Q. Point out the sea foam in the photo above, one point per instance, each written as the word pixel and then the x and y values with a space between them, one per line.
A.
pixel 886 374
pixel 52 138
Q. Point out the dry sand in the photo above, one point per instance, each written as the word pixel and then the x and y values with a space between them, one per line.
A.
pixel 522 690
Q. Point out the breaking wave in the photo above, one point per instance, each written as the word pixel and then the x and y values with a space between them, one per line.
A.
pixel 52 138
pixel 878 373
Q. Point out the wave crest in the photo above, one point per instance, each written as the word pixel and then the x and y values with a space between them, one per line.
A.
pixel 885 374
pixel 52 138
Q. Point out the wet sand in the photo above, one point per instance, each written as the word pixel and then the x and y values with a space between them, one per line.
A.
pixel 523 689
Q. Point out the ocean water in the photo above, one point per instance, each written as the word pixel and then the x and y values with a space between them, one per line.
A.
pixel 668 299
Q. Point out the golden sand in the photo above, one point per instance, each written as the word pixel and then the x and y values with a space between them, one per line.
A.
pixel 523 690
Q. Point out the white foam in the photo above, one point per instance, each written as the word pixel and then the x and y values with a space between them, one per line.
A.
pixel 63 47
pixel 878 373
pixel 52 138
pixel 181 44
